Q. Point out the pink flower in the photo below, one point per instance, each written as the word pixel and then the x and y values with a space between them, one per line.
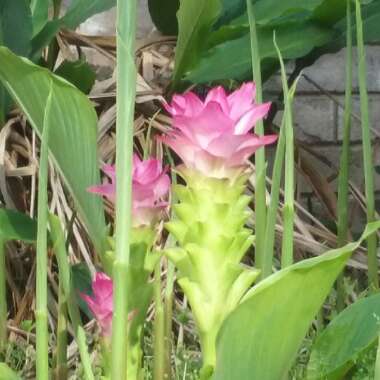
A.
pixel 150 184
pixel 101 302
pixel 212 136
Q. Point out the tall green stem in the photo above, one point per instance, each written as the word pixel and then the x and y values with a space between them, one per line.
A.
pixel 72 304
pixel 42 338
pixel 3 298
pixel 260 199
pixel 270 231
pixel 343 188
pixel 61 351
pixel 373 278
pixel 288 211
pixel 159 327
pixel 126 92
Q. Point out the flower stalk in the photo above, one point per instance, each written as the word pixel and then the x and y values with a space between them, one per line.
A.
pixel 260 165
pixel 373 278
pixel 42 336
pixel 213 140
pixel 126 92
pixel 343 188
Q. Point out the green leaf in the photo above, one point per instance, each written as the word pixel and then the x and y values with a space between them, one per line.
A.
pixel 337 347
pixel 195 19
pixel 260 339
pixel 72 137
pixel 40 14
pixel 15 33
pixel 80 10
pixel 163 14
pixel 8 374
pixel 79 73
pixel 221 63
pixel 269 10
pixel 82 283
pixel 15 225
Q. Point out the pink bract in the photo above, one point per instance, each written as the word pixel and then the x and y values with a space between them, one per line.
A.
pixel 101 303
pixel 150 184
pixel 213 136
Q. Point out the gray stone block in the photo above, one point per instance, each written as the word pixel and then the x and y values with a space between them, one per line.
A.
pixel 374 108
pixel 329 72
pixel 314 119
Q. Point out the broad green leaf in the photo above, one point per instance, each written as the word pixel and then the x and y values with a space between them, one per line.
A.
pixel 260 339
pixel 80 10
pixel 79 73
pixel 163 14
pixel 8 374
pixel 40 14
pixel 221 62
pixel 73 133
pixel 267 10
pixel 15 33
pixel 195 19
pixel 15 225
pixel 347 336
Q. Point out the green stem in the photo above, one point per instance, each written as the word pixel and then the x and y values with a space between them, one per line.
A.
pixel 208 346
pixel 260 189
pixel 59 248
pixel 159 327
pixel 3 298
pixel 373 278
pixel 42 337
pixel 288 211
pixel 270 231
pixel 343 188
pixel 126 92
pixel 61 352
pixel 168 310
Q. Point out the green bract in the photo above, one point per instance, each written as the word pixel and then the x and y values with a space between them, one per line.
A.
pixel 211 215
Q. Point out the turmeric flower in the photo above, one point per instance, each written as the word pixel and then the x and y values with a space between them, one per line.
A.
pixel 100 303
pixel 150 184
pixel 213 136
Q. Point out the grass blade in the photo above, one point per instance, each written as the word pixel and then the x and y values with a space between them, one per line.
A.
pixel 42 338
pixel 59 249
pixel 288 211
pixel 126 92
pixel 343 188
pixel 260 201
pixel 373 278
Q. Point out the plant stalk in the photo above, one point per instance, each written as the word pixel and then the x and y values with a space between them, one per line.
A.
pixel 61 351
pixel 260 189
pixel 343 188
pixel 42 336
pixel 288 210
pixel 159 327
pixel 373 279
pixel 126 92
pixel 270 231
pixel 3 298
pixel 59 248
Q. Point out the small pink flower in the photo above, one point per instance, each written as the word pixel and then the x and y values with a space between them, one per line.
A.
pixel 212 136
pixel 150 184
pixel 101 302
